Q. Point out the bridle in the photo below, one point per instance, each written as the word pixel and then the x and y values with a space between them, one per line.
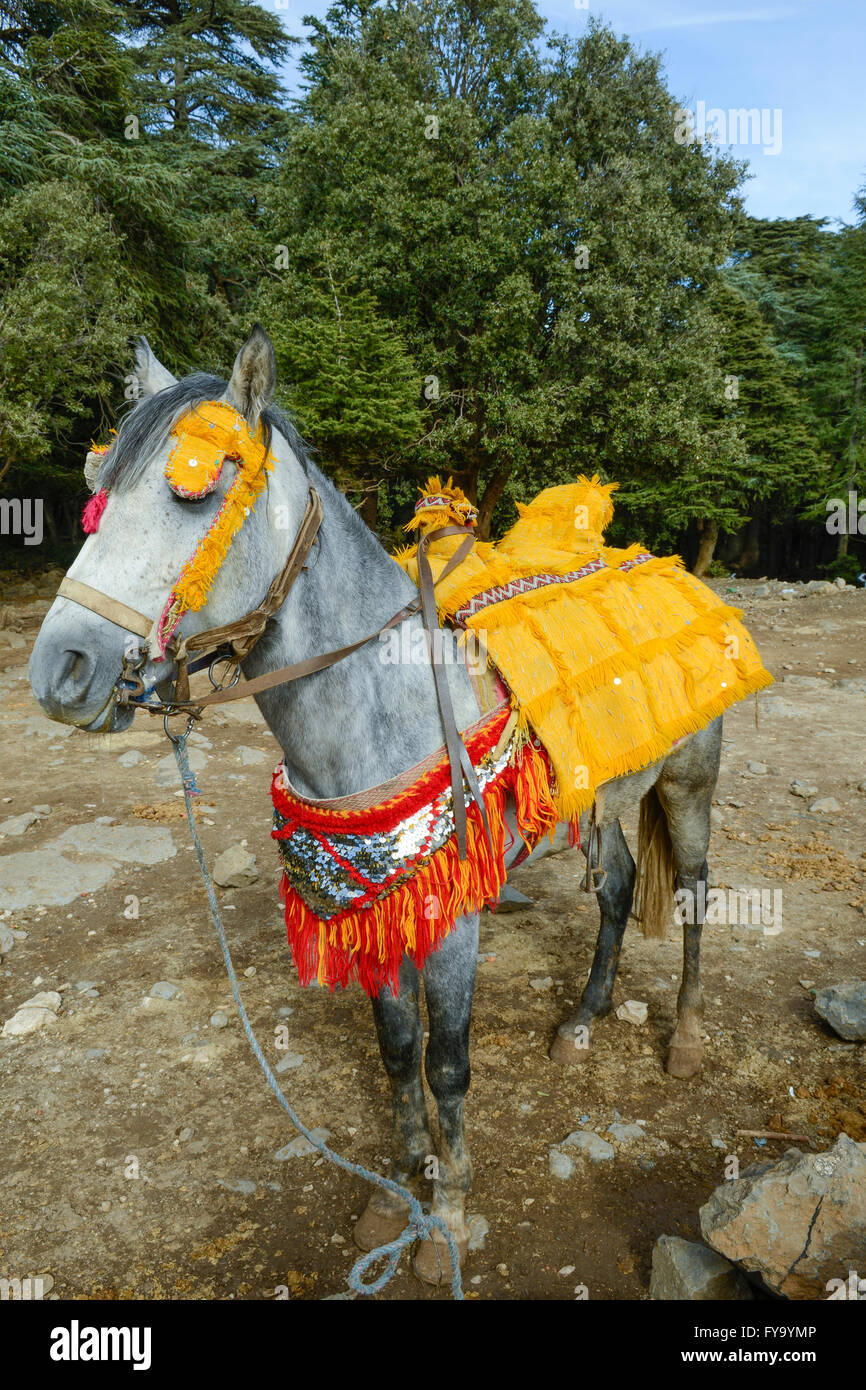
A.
pixel 232 643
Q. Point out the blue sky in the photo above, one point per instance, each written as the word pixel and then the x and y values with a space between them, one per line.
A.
pixel 803 58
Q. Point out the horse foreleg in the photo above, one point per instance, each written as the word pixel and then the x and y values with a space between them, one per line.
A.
pixel 449 983
pixel 571 1043
pixel 398 1026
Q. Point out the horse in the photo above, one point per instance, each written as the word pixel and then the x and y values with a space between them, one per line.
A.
pixel 354 726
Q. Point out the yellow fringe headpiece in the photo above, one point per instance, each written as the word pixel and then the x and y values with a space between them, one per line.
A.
pixel 440 505
pixel 202 441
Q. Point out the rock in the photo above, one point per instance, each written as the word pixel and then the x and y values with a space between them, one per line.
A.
pixel 861 786
pixel 632 1011
pixel 540 985
pixel 775 705
pixel 819 586
pixel 762 591
pixel 561 1166
pixel 479 1229
pixel 93 1054
pixel 590 1144
pixel 7 940
pixel 131 758
pixel 250 757
pixel 219 1019
pixel 125 844
pixel 510 900
pixel 290 1062
pixel 243 1185
pixel 789 594
pixel 840 582
pixel 826 805
pixel 685 1271
pixel 625 1134
pixel 83 986
pixel 16 825
pixel 28 1020
pixel 803 789
pixel 759 769
pixel 46 999
pixel 235 868
pixel 798 1222
pixel 163 989
pixel 166 773
pixel 300 1147
pixel 844 1008
pixel 285 1011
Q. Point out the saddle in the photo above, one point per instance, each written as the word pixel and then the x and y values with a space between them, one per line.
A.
pixel 611 655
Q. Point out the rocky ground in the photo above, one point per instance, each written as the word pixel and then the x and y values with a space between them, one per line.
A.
pixel 141 1154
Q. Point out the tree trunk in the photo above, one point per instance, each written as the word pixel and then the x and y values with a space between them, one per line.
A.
pixel 492 494
pixel 708 531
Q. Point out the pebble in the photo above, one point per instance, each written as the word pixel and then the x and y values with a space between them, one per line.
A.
pixel 590 1144
pixel 186 1134
pixel 284 1011
pixel 235 868
pixel 243 1185
pixel 84 985
pixel 625 1134
pixel 561 1166
pixel 290 1062
pixel 803 789
pixel 93 1054
pixel 540 984
pixel 164 989
pixel 479 1229
pixel 131 758
pixel 759 769
pixel 633 1011
pixel 7 940
pixel 219 1019
pixel 300 1146
pixel 826 805
pixel 16 825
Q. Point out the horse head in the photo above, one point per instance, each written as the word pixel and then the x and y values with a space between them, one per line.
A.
pixel 176 535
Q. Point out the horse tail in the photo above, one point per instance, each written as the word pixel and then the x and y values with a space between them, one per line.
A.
pixel 655 881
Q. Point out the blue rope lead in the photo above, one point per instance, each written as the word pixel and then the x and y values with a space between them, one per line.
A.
pixel 420 1225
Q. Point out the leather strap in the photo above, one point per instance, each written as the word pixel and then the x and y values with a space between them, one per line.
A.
pixel 110 608
pixel 311 664
pixel 461 764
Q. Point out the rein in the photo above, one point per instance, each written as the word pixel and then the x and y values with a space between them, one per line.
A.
pixel 234 641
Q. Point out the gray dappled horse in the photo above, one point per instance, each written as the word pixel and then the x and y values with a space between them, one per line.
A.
pixel 352 727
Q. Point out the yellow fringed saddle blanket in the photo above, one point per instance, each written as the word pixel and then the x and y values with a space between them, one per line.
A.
pixel 610 655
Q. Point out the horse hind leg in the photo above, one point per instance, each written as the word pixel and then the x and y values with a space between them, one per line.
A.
pixel 449 984
pixel 398 1027
pixel 685 791
pixel 571 1044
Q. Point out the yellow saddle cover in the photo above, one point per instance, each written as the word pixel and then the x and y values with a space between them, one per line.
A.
pixel 611 655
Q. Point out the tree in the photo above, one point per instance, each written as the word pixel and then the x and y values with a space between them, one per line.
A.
pixel 531 226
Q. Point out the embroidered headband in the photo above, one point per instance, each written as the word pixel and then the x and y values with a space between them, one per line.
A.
pixel 202 441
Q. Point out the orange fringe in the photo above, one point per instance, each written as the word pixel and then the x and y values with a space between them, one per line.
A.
pixel 415 917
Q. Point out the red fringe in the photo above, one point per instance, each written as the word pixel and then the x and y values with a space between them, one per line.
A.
pixel 368 943
pixel 92 514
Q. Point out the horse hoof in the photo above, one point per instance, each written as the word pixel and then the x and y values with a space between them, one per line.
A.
pixel 433 1258
pixel 684 1060
pixel 374 1228
pixel 567 1052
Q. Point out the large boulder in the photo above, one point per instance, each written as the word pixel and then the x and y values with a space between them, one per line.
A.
pixel 799 1223
pixel 844 1008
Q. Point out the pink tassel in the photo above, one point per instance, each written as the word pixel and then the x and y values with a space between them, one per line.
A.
pixel 92 513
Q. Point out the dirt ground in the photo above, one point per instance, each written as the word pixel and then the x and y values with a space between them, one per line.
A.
pixel 138 1142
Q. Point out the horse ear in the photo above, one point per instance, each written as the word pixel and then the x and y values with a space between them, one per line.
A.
pixel 254 376
pixel 150 374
